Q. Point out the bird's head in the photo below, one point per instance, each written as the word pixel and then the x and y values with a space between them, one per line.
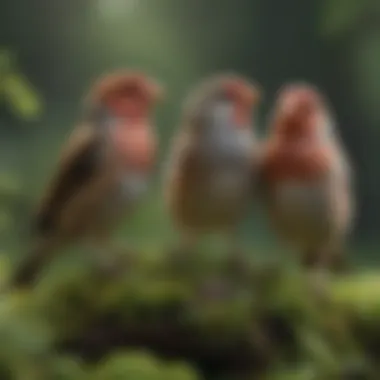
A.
pixel 126 95
pixel 120 106
pixel 224 101
pixel 298 111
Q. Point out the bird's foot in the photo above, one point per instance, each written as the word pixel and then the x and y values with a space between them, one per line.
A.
pixel 238 263
pixel 117 262
pixel 332 262
pixel 339 264
pixel 113 268
pixel 181 258
pixel 311 260
pixel 319 280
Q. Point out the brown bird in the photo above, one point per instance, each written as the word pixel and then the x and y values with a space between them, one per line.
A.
pixel 305 178
pixel 213 153
pixel 103 171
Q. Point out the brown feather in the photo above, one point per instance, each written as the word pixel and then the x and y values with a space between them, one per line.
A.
pixel 79 162
pixel 101 171
pixel 294 162
pixel 195 199
pixel 304 177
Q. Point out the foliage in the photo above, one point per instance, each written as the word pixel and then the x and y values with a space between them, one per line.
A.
pixel 23 99
pixel 206 319
pixel 340 16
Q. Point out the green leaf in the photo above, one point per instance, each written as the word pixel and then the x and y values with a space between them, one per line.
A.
pixel 339 16
pixel 9 183
pixel 22 97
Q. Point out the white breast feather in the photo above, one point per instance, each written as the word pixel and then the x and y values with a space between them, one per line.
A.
pixel 133 186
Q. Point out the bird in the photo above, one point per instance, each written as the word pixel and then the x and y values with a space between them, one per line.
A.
pixel 212 155
pixel 305 178
pixel 102 174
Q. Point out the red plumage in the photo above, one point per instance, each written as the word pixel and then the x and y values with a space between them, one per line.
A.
pixel 305 177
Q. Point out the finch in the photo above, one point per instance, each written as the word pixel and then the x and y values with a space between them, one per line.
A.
pixel 103 171
pixel 306 178
pixel 212 156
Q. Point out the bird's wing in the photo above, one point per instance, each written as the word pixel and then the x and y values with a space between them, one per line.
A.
pixel 80 160
pixel 343 168
pixel 185 159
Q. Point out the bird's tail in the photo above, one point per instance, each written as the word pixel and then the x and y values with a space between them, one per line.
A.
pixel 29 268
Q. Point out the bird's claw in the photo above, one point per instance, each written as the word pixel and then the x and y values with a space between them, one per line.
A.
pixel 118 264
pixel 180 259
pixel 238 263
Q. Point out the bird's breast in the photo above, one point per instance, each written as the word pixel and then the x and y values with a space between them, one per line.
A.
pixel 130 187
pixel 229 163
pixel 135 147
pixel 296 163
pixel 298 198
pixel 231 149
pixel 124 194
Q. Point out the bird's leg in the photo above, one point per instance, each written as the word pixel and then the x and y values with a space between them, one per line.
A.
pixel 125 251
pixel 311 259
pixel 336 260
pixel 109 259
pixel 314 261
pixel 185 250
pixel 237 257
pixel 327 258
pixel 339 263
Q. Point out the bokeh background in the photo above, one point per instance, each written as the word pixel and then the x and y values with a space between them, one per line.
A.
pixel 51 51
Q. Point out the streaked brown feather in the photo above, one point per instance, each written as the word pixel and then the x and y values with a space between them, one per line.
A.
pixel 80 161
pixel 191 195
pixel 189 175
pixel 94 184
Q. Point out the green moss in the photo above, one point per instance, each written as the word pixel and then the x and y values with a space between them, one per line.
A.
pixel 273 323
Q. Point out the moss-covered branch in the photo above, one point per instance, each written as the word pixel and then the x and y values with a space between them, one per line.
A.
pixel 271 323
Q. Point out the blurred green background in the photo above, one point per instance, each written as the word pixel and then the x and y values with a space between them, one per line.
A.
pixel 59 48
pixel 51 51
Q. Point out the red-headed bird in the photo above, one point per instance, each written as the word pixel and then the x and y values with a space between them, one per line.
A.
pixel 213 153
pixel 306 179
pixel 103 171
